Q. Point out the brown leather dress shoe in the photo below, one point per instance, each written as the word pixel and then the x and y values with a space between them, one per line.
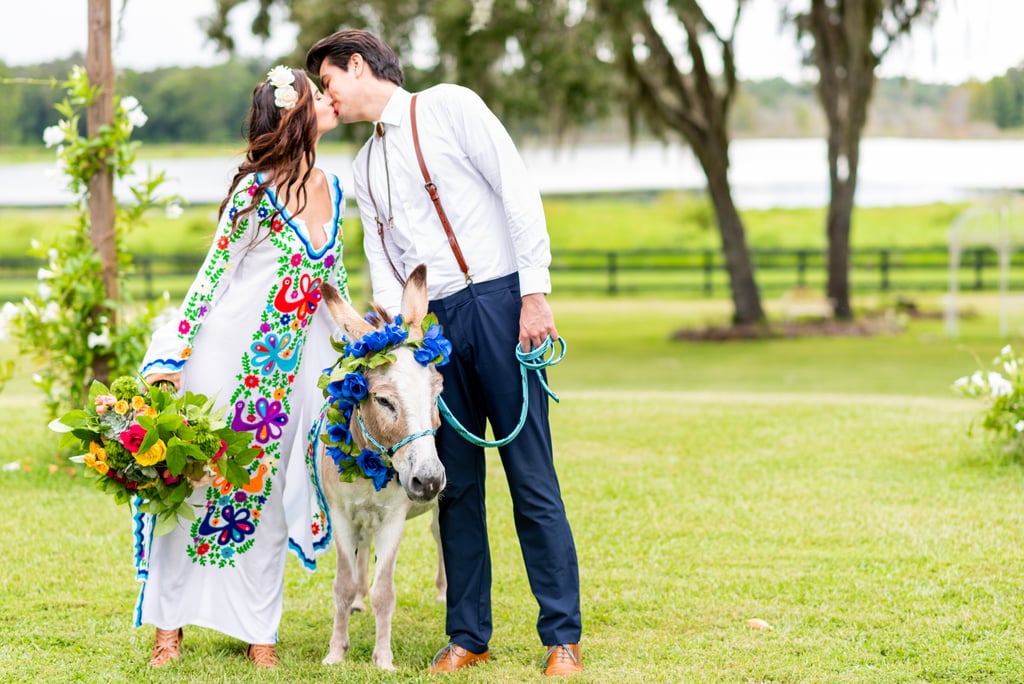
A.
pixel 562 660
pixel 452 658
pixel 166 646
pixel 262 655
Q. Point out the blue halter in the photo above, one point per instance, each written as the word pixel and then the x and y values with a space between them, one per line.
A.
pixel 390 451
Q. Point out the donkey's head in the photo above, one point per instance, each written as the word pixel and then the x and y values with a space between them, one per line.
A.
pixel 400 410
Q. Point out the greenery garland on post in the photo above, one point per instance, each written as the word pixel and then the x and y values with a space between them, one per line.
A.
pixel 68 325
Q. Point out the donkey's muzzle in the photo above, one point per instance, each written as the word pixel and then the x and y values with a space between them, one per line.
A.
pixel 422 489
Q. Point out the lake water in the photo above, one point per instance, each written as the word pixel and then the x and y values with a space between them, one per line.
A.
pixel 764 173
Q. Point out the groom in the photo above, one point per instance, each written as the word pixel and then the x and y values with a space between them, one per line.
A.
pixel 486 247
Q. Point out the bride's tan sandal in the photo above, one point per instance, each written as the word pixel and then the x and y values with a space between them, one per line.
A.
pixel 166 646
pixel 262 655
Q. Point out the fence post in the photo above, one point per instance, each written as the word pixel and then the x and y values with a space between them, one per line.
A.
pixel 883 267
pixel 707 267
pixel 979 263
pixel 613 268
pixel 801 268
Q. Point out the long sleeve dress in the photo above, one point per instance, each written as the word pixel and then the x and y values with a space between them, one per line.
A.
pixel 252 333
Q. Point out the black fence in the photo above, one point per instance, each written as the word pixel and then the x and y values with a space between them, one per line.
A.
pixel 689 273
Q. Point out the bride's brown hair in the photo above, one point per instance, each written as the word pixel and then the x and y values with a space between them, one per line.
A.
pixel 281 146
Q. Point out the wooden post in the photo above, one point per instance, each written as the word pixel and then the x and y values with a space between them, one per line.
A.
pixel 100 67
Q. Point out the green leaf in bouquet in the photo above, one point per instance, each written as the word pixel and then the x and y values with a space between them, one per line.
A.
pixel 97 388
pixel 233 472
pixel 149 440
pixel 246 456
pixel 179 492
pixel 84 434
pixel 169 421
pixel 177 456
pixel 185 432
pixel 71 419
pixel 165 522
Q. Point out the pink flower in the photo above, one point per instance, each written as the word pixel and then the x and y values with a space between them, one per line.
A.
pixel 132 438
pixel 220 452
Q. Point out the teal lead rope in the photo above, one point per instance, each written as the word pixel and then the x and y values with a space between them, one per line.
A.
pixel 536 361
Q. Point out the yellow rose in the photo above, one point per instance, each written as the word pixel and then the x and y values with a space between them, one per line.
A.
pixel 101 467
pixel 121 407
pixel 97 451
pixel 89 460
pixel 138 403
pixel 156 453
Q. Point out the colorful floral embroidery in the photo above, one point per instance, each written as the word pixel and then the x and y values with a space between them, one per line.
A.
pixel 261 399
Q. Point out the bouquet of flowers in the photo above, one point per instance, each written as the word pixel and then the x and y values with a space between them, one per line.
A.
pixel 143 441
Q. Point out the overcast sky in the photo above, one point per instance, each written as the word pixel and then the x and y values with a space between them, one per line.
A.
pixel 972 38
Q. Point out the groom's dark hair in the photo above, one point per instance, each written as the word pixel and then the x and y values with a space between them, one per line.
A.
pixel 339 47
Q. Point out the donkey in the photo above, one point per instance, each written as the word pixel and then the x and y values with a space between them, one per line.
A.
pixel 401 403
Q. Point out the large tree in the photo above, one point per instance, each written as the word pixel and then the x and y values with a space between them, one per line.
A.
pixel 687 84
pixel 551 62
pixel 847 40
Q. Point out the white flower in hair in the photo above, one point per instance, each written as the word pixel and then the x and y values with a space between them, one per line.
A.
pixel 285 97
pixel 280 76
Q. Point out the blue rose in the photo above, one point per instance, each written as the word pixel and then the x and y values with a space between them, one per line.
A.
pixel 373 467
pixel 354 386
pixel 357 349
pixel 396 334
pixel 435 348
pixel 376 340
pixel 338 433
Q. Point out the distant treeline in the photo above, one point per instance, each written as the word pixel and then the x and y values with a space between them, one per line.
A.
pixel 209 105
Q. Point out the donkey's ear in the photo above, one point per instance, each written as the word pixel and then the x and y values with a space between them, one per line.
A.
pixel 347 318
pixel 414 301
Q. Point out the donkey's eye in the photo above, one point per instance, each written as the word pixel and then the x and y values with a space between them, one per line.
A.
pixel 384 403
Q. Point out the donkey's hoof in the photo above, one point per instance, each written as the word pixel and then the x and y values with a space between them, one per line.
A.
pixel 333 658
pixel 384 662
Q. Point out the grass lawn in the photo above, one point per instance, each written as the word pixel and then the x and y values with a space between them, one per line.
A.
pixel 826 486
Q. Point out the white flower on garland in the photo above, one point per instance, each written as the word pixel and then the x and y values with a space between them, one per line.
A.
pixel 8 315
pixel 129 103
pixel 137 118
pixel 53 135
pixel 100 340
pixel 51 314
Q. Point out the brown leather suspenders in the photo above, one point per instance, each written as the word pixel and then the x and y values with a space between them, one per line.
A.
pixel 428 186
pixel 432 191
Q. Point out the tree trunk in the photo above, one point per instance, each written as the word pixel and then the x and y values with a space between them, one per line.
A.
pixel 842 164
pixel 746 298
pixel 99 65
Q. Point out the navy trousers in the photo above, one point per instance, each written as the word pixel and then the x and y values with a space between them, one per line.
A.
pixel 482 383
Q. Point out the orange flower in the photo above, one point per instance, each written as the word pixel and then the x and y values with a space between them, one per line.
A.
pixel 279 394
pixel 156 453
pixel 89 460
pixel 101 467
pixel 98 452
pixel 186 352
pixel 121 407
pixel 138 403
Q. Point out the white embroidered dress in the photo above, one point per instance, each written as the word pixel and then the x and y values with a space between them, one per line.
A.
pixel 250 331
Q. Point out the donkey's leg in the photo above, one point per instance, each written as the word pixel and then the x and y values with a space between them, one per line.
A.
pixel 345 587
pixel 441 581
pixel 382 594
pixel 362 577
